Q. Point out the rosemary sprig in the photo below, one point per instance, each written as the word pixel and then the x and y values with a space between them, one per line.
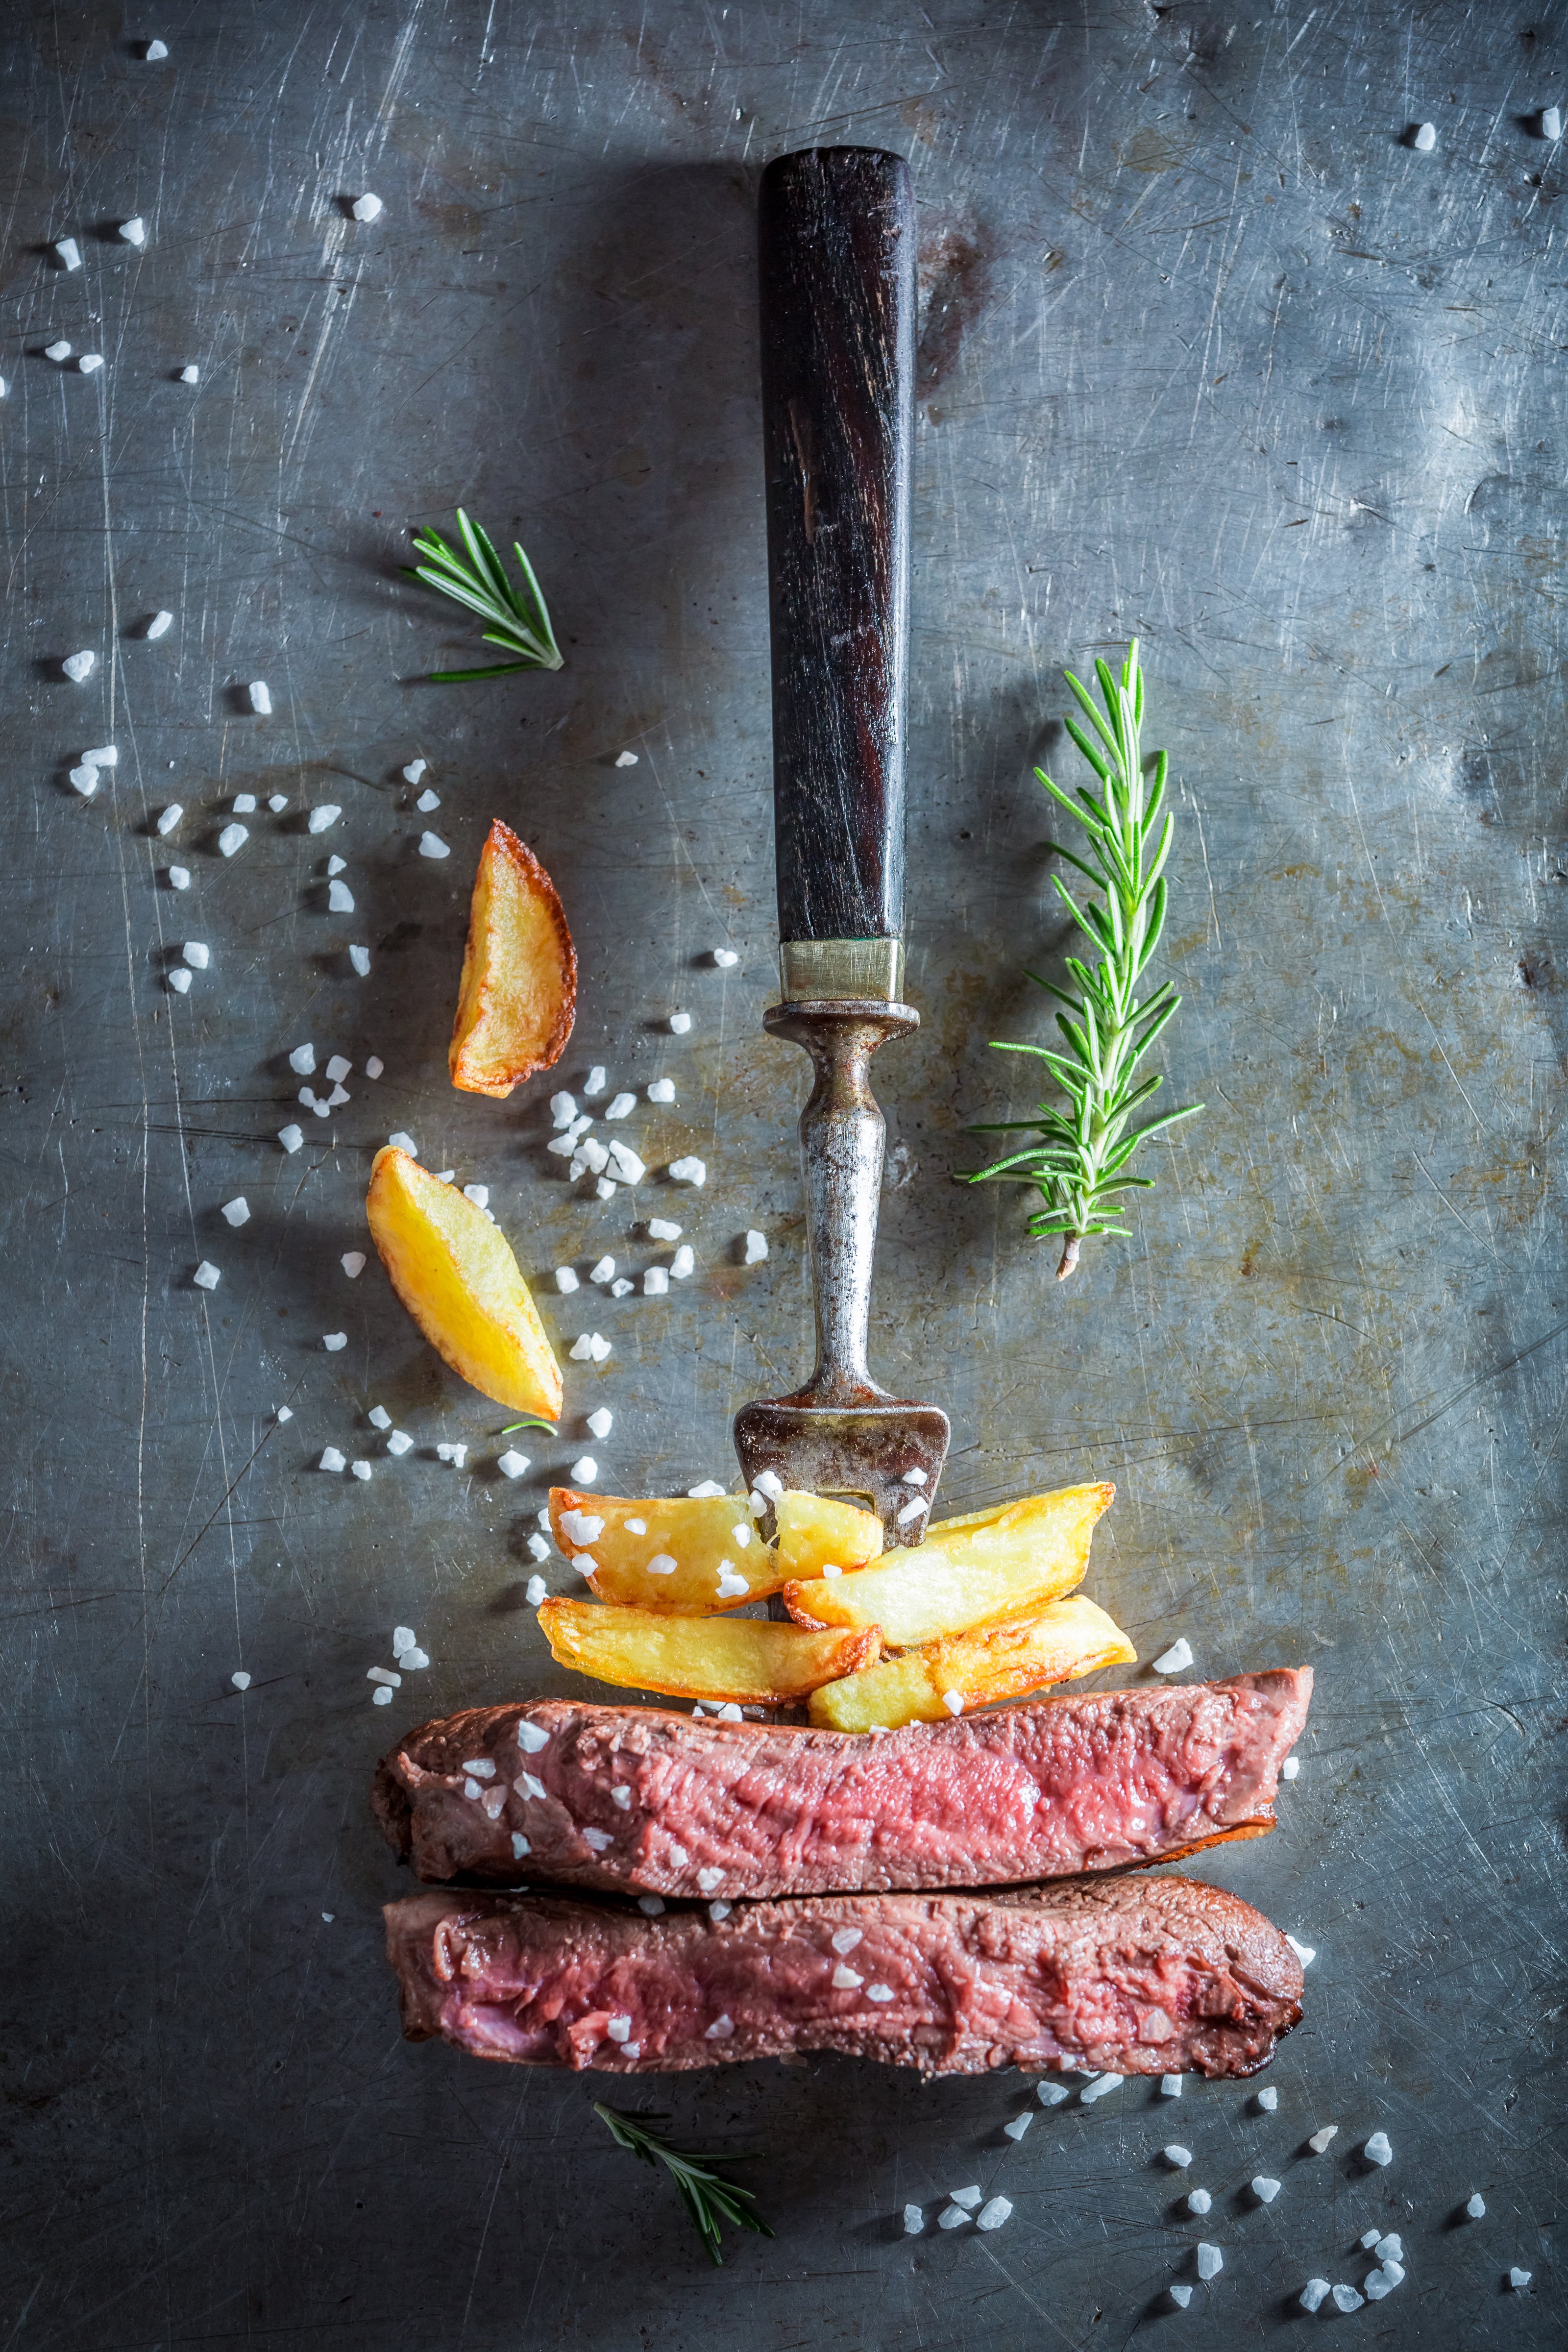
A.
pixel 520 617
pixel 1079 1162
pixel 706 2196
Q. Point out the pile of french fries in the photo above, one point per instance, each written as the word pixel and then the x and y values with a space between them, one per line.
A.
pixel 978 1612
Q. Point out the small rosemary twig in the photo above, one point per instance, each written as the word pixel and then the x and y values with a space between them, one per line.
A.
pixel 706 2196
pixel 520 617
pixel 1078 1166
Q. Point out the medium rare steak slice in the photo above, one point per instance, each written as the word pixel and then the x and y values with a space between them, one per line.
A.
pixel 1148 1976
pixel 644 1800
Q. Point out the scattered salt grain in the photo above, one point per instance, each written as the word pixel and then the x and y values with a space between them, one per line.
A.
pixel 206 1276
pixel 291 1136
pixel 661 1230
pixel 374 1067
pixel 596 1082
pixel 338 1068
pixel 1199 2201
pixel 325 815
pixel 261 698
pixel 952 2217
pixel 683 1264
pixel 285 1413
pixel 1288 1770
pixel 628 1168
pixel 1267 2100
pixel 302 1061
pixel 1264 2188
pixel 1519 2280
pixel 427 801
pixel 1170 2086
pixel 992 2215
pixel 1019 2125
pixel 954 1702
pixel 240 1679
pixel 413 770
pixel 601 1423
pixel 382 1697
pixel 160 624
pixel 650 1906
pixel 1390 2248
pixel 107 755
pixel 913 1511
pixel 401 1142
pixel 605 1271
pixel 585 1471
pixel 725 957
pixel 1211 2262
pixel 89 362
pixel 769 1483
pixel 85 780
pixel 708 1486
pixel 1368 2239
pixel 432 845
pixel 1347 2299
pixel 60 351
pixel 512 1465
pixel 1176 1659
pixel 383 1674
pixel 170 818
pixel 1305 1953
pixel 1379 2283
pixel 662 1090
pixel 1177 2156
pixel 352 1264
pixel 1551 122
pixel 197 954
pixel 1425 138
pixel 622 1106
pixel 565 1280
pixel 625 759
pixel 914 2221
pixel 1051 2095
pixel 1313 2293
pixel 367 208
pixel 399 1441
pixel 69 252
pixel 680 1022
pixel 334 1461
pixel 333 1340
pixel 562 1111
pixel 1377 2150
pixel 361 1470
pixel 340 898
pixel 155 52
pixel 661 1564
pixel 1476 2206
pixel 134 232
pixel 237 1211
pixel 1099 2087
pixel 188 374
pixel 756 1248
pixel 1181 2293
pixel 180 980
pixel 77 666
pixel 233 837
pixel 536 1588
pixel 721 2030
pixel 1320 2140
pixel 968 2198
pixel 179 877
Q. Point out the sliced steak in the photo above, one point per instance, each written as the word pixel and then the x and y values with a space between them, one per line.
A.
pixel 1147 1976
pixel 646 1800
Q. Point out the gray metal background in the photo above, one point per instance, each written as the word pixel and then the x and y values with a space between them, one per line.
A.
pixel 1210 354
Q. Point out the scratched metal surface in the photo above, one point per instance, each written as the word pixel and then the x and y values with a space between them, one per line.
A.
pixel 1209 353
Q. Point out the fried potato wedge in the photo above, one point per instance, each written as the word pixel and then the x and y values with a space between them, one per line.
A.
pixel 743 1658
pixel 687 1558
pixel 1067 1639
pixel 814 1533
pixel 976 1572
pixel 455 1272
pixel 517 995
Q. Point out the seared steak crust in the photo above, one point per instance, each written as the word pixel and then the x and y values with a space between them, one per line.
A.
pixel 1145 1976
pixel 642 1799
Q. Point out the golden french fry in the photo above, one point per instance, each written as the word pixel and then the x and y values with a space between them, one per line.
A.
pixel 974 1571
pixel 814 1533
pixel 1067 1639
pixel 685 1557
pixel 459 1279
pixel 517 995
pixel 743 1658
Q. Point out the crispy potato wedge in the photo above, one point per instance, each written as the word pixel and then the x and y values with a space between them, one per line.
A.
pixel 459 1279
pixel 517 995
pixel 743 1658
pixel 814 1533
pixel 978 1571
pixel 1067 1639
pixel 697 1535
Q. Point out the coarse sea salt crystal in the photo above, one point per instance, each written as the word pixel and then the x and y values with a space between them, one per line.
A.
pixel 382 1697
pixel 1211 2262
pixel 1288 1770
pixel 1377 2150
pixel 538 1547
pixel 240 1679
pixel 325 815
pixel 536 1588
pixel 179 877
pixel 233 837
pixel 340 898
pixel 197 954
pixel 432 845
pixel 291 1136
pixel 1199 2201
pixel 89 362
pixel 1347 2299
pixel 1099 2088
pixel 1519 2280
pixel 480 1194
pixel 1170 2086
pixel 206 1276
pixel 333 1340
pixel 180 980
pixel 1264 2188
pixel 721 2030
pixel 621 1106
pixel 427 801
pixel 158 625
pixel 585 1471
pixel 85 780
pixel 57 350
pixel 996 2210
pixel 401 1142
pixel 134 231
pixel 661 1230
pixel 353 1263
pixel 625 759
pixel 662 1090
pixel 361 1470
pixel 605 1271
pixel 366 207
pixel 596 1080
pixel 1305 1953
pixel 1176 1659
pixel 1019 2125
pixel 628 1167
pixel 80 667
pixel 399 1441
pixel 756 1248
pixel 951 2216
pixel 683 1264
pixel 1313 2293
pixel 1177 2156
pixel 1425 138
pixel 1475 2205
pixel 1551 119
pixel 413 770
pixel 1180 2292
pixel 1320 2140
pixel 725 957
pixel 914 2221
pixel 601 1421
pixel 953 1701
pixel 261 698
pixel 338 1068
pixel 1051 2095
pixel 708 1486
pixel 107 755
pixel 334 1461
pixel 1268 2100
pixel 661 1564
pixel 302 1061
pixel 512 1465
pixel 170 817
pixel 68 251
pixel 655 1283
pixel 237 1211
pixel 189 374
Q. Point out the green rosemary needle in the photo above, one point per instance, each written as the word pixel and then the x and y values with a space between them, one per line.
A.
pixel 1079 1164
pixel 518 617
pixel 706 2196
